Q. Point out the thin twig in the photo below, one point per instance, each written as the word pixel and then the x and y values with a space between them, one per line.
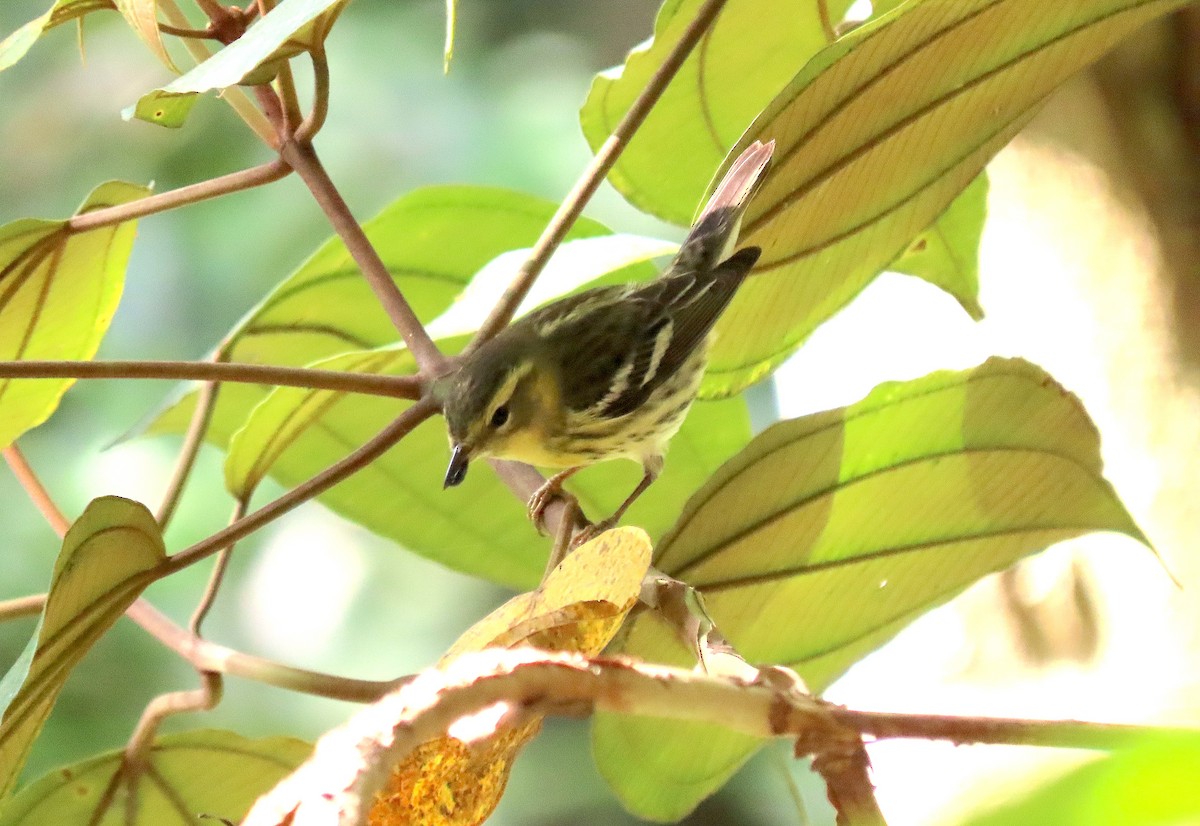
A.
pixel 594 174
pixel 200 654
pixel 397 387
pixel 320 108
pixel 1063 734
pixel 847 776
pixel 29 606
pixel 193 193
pixel 356 461
pixel 218 573
pixel 826 22
pixel 193 438
pixel 35 489
pixel 301 156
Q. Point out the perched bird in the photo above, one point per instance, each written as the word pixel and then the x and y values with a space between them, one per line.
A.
pixel 606 373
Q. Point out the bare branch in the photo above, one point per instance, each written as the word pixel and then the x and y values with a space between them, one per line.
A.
pixel 197 427
pixel 191 194
pixel 399 387
pixel 301 156
pixel 36 490
pixel 315 486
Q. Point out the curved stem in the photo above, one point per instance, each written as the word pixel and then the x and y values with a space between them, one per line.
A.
pixel 320 109
pixel 572 207
pixel 193 193
pixel 399 387
pixel 197 427
pixel 301 156
pixel 356 461
pixel 218 574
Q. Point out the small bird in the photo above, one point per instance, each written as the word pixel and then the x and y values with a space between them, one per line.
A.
pixel 609 372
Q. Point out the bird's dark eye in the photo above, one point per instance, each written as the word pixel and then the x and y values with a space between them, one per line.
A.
pixel 500 416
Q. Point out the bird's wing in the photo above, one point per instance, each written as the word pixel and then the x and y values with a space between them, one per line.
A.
pixel 615 358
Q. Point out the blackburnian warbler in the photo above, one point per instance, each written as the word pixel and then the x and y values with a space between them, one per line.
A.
pixel 607 373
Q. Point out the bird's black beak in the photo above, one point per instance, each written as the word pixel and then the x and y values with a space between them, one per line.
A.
pixel 457 471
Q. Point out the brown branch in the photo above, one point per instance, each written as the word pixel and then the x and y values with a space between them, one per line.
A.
pixel 356 461
pixel 29 606
pixel 1063 734
pixel 193 193
pixel 594 174
pixel 36 490
pixel 399 387
pixel 848 785
pixel 218 573
pixel 193 438
pixel 301 156
pixel 826 23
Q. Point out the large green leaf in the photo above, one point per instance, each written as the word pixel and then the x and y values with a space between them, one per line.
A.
pixel 752 50
pixel 432 241
pixel 828 533
pixel 15 45
pixel 1153 783
pixel 108 557
pixel 58 293
pixel 295 433
pixel 211 773
pixel 876 136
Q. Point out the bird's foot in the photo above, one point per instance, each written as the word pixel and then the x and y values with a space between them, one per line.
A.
pixel 592 531
pixel 542 498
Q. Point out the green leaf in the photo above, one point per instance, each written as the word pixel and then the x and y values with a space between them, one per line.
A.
pixel 295 433
pixel 292 27
pixel 58 293
pixel 108 557
pixel 1152 783
pixel 829 533
pixel 206 772
pixel 947 253
pixel 14 47
pixel 432 241
pixel 876 136
pixel 753 49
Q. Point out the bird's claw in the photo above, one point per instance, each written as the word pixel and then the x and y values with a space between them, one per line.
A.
pixel 541 500
pixel 592 531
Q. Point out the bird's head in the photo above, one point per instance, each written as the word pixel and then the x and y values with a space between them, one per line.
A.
pixel 495 404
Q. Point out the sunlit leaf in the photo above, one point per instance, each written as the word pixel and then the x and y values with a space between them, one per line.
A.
pixel 578 608
pixel 752 50
pixel 432 241
pixel 108 557
pixel 205 772
pixel 14 47
pixel 58 293
pixel 142 16
pixel 829 533
pixel 1151 783
pixel 291 27
pixel 946 254
pixel 876 136
pixel 295 433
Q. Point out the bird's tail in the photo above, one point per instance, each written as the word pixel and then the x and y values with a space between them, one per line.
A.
pixel 713 238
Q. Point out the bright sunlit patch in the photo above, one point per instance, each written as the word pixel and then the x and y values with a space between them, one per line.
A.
pixel 302 585
pixel 859 10
pixel 1067 282
pixel 481 724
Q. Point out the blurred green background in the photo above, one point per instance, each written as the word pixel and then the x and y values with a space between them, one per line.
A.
pixel 1093 214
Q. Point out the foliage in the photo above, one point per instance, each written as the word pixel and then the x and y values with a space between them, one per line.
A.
pixel 803 548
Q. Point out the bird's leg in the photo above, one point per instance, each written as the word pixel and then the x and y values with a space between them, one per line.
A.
pixel 543 496
pixel 653 466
